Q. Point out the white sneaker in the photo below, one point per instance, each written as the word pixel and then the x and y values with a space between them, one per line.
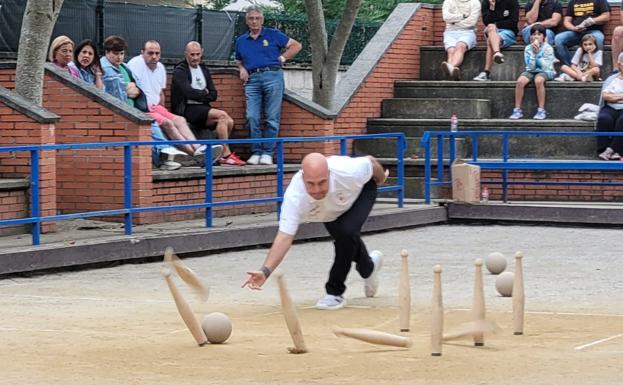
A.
pixel 266 159
pixel 217 153
pixel 330 302
pixel 482 77
pixel 371 283
pixel 254 159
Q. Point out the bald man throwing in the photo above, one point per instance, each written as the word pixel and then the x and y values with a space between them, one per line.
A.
pixel 340 192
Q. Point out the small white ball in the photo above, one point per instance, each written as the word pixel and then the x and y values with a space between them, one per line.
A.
pixel 495 263
pixel 504 283
pixel 217 327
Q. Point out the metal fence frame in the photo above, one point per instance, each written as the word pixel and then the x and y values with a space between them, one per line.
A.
pixel 128 210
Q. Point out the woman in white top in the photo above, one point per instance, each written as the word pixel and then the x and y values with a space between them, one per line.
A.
pixel 610 118
pixel 459 37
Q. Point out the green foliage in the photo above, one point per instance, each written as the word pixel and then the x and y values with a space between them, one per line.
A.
pixel 370 10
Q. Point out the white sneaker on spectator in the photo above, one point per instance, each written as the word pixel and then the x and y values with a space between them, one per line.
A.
pixel 482 77
pixel 371 284
pixel 615 156
pixel 607 154
pixel 564 78
pixel 498 57
pixel 330 302
pixel 216 153
pixel 169 165
pixel 254 159
pixel 266 159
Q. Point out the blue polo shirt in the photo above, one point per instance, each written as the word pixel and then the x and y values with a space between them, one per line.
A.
pixel 263 51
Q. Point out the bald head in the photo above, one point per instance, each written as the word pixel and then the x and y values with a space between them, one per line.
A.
pixel 316 175
pixel 193 53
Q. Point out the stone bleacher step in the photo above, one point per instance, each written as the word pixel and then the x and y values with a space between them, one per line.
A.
pixel 562 100
pixel 546 147
pixel 432 56
pixel 435 108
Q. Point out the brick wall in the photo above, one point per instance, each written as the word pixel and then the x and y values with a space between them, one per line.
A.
pixel 17 129
pixel 13 205
pixel 191 191
pixel 556 193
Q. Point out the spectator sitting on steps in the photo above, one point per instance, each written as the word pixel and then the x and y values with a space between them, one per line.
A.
pixel 586 63
pixel 548 13
pixel 539 60
pixel 459 37
pixel 610 118
pixel 500 18
pixel 192 90
pixel 583 17
pixel 118 82
pixel 151 78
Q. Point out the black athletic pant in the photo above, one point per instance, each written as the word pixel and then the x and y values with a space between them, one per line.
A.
pixel 346 234
pixel 610 120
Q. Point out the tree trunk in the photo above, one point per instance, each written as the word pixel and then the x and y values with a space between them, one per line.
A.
pixel 326 61
pixel 38 23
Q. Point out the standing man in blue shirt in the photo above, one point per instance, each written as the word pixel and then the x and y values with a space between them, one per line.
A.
pixel 260 53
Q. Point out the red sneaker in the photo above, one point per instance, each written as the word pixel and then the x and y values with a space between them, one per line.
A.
pixel 232 160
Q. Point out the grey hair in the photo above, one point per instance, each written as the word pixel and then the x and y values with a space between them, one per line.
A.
pixel 254 8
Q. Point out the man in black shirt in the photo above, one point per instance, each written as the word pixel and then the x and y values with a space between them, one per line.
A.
pixel 548 13
pixel 583 17
pixel 500 18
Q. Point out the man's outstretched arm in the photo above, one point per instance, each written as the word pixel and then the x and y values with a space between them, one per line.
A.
pixel 277 252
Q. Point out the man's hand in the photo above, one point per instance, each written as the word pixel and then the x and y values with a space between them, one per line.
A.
pixel 492 4
pixel 244 75
pixel 132 90
pixel 255 281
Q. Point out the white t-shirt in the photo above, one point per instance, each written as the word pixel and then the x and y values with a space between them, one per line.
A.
pixel 582 60
pixel 347 176
pixel 615 87
pixel 198 80
pixel 151 82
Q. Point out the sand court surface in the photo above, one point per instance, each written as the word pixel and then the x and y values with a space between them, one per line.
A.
pixel 119 325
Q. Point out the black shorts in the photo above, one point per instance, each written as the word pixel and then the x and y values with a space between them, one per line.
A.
pixel 197 116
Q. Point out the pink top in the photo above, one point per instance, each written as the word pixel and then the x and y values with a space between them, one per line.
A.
pixel 72 70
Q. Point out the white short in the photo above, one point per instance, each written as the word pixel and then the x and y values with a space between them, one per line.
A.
pixel 452 38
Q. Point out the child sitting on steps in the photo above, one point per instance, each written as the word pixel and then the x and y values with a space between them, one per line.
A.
pixel 586 63
pixel 539 60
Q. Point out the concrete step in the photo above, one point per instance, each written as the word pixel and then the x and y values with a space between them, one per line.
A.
pixel 545 147
pixel 387 148
pixel 435 108
pixel 431 58
pixel 562 98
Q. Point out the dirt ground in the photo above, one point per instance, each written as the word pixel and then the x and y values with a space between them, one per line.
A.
pixel 119 325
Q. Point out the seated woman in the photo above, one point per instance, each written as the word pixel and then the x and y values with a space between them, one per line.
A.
pixel 60 54
pixel 459 37
pixel 610 118
pixel 87 63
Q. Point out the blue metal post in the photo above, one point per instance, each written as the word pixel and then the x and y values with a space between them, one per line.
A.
pixel 343 146
pixel 279 176
pixel 400 170
pixel 427 170
pixel 475 147
pixel 505 172
pixel 208 187
pixel 439 158
pixel 35 197
pixel 127 188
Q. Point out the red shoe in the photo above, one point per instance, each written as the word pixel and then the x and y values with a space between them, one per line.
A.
pixel 232 160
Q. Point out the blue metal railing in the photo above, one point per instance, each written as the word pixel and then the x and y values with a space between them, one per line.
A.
pixel 506 163
pixel 128 210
